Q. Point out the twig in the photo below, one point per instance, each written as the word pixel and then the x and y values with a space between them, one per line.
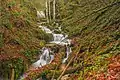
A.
pixel 68 64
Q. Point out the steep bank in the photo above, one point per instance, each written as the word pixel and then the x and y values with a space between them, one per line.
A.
pixel 20 36
pixel 95 24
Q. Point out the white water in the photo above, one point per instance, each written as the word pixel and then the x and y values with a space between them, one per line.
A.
pixel 46 57
pixel 40 14
pixel 47 30
pixel 59 39
pixel 68 51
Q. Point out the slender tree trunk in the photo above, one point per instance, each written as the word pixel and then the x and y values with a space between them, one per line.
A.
pixel 47 11
pixel 54 2
pixel 12 74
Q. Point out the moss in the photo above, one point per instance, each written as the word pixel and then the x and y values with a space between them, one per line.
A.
pixel 31 54
pixel 19 33
pixel 96 25
pixel 42 43
pixel 1 40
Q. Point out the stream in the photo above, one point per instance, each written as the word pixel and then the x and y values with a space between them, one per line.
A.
pixel 46 57
pixel 58 39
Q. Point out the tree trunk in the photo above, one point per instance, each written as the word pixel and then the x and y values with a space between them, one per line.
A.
pixel 47 11
pixel 54 2
pixel 13 74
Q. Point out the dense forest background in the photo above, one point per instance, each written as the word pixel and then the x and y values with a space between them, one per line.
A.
pixel 94 25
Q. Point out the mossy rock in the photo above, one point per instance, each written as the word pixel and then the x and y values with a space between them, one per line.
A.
pixel 42 43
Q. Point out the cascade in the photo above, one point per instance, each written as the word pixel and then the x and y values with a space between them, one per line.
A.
pixel 40 14
pixel 59 39
pixel 68 51
pixel 47 30
pixel 46 57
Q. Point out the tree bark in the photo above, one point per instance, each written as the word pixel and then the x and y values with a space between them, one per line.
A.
pixel 54 5
pixel 47 11
pixel 13 74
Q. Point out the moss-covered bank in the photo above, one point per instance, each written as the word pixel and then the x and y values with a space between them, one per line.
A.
pixel 20 36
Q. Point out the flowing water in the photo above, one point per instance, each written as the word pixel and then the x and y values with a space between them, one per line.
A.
pixel 46 57
pixel 40 14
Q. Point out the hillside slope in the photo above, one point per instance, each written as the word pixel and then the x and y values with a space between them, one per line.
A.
pixel 20 36
pixel 95 25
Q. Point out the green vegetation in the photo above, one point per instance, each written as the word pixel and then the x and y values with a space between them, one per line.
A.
pixel 96 25
pixel 39 4
pixel 19 34
pixel 93 26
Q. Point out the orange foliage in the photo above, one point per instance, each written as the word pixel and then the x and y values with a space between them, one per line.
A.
pixel 113 71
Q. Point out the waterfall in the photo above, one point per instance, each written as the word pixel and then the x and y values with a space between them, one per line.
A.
pixel 40 14
pixel 58 37
pixel 46 57
pixel 47 30
pixel 68 51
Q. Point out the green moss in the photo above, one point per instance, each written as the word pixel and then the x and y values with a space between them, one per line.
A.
pixel 31 54
pixel 21 33
pixel 1 40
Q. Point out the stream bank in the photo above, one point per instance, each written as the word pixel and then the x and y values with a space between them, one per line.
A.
pixel 46 58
